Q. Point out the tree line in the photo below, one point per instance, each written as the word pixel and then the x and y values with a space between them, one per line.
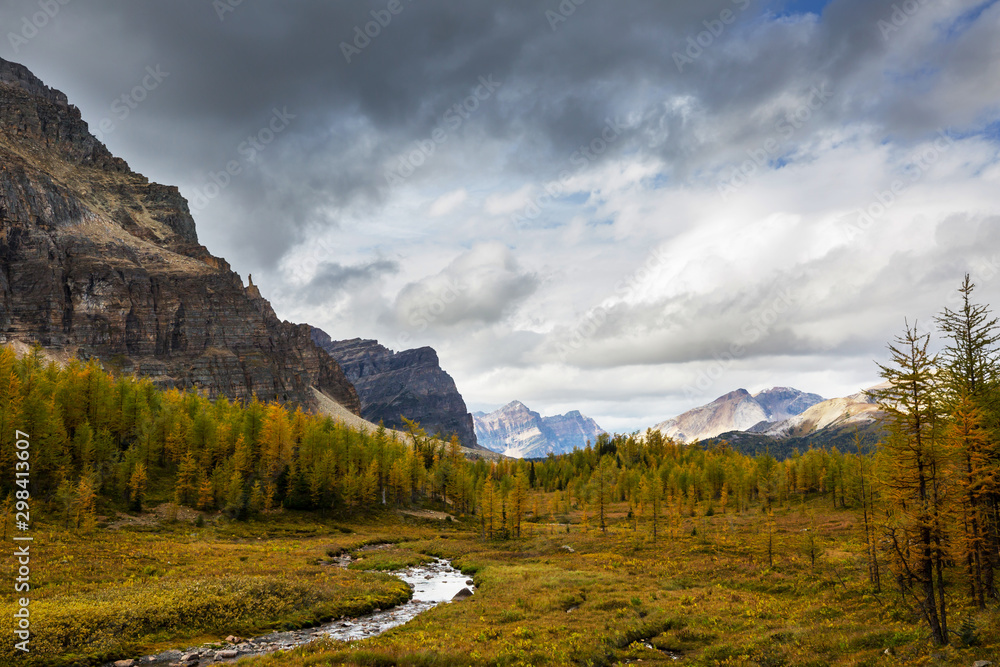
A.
pixel 932 503
pixel 927 497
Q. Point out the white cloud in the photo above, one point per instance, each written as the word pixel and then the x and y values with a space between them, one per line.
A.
pixel 641 231
pixel 447 203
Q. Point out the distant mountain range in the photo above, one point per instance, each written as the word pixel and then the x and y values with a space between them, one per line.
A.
pixel 777 420
pixel 791 420
pixel 518 432
pixel 737 411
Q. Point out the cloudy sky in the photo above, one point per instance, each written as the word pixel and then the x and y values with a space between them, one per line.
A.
pixel 626 208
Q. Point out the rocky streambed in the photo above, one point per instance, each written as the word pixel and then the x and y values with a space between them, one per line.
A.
pixel 432 584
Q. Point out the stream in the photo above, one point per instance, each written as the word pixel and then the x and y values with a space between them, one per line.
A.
pixel 432 584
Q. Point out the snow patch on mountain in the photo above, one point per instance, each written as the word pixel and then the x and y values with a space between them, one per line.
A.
pixel 516 431
pixel 738 411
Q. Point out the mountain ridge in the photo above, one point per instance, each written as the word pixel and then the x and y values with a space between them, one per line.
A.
pixel 844 423
pixel 409 383
pixel 738 410
pixel 101 262
pixel 517 431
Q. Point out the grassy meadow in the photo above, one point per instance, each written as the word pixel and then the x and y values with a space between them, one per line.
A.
pixel 725 589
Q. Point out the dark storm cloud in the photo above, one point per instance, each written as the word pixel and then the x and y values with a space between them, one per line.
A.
pixel 229 68
pixel 562 79
pixel 695 86
pixel 332 278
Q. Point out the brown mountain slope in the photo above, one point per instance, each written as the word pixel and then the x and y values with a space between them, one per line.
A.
pixel 96 260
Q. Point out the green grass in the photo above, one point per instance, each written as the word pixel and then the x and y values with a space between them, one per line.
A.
pixel 708 599
pixel 394 558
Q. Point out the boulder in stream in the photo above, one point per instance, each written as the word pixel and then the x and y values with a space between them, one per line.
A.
pixel 463 594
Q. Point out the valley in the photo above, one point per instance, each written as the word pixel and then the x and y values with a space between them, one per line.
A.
pixel 553 597
pixel 199 481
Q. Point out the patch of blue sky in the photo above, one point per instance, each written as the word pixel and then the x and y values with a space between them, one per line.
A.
pixel 989 131
pixel 657 182
pixel 785 8
pixel 918 79
pixel 992 131
pixel 963 22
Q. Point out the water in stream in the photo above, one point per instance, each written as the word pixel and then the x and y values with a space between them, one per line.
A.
pixel 432 584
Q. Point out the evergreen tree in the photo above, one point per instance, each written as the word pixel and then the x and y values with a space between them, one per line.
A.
pixel 518 501
pixel 912 405
pixel 206 494
pixel 652 494
pixel 969 365
pixel 603 486
pixel 256 502
pixel 137 486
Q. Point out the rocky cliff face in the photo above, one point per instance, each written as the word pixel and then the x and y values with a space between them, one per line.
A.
pixel 410 384
pixel 780 403
pixel 96 260
pixel 839 423
pixel 855 410
pixel 516 431
pixel 737 411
